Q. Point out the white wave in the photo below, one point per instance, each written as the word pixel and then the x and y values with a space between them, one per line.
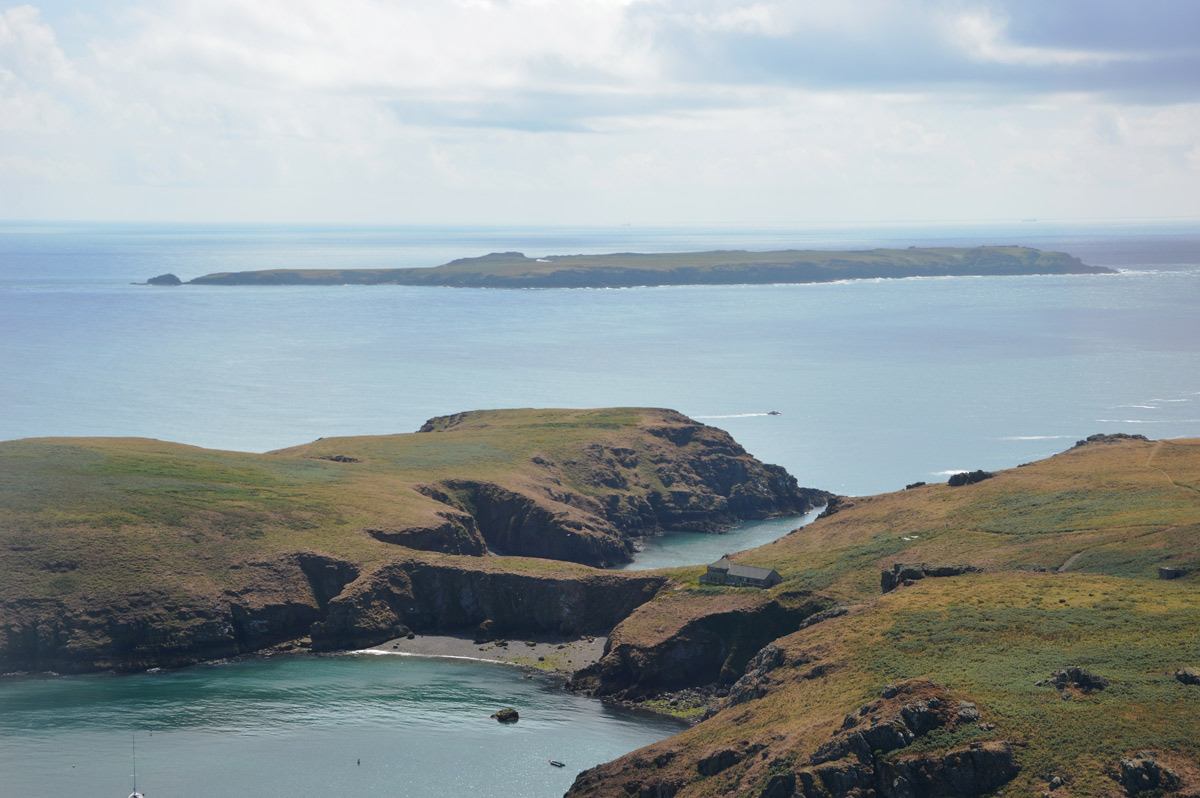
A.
pixel 1035 437
pixel 1142 407
pixel 736 415
pixel 951 472
pixel 1170 400
pixel 1147 421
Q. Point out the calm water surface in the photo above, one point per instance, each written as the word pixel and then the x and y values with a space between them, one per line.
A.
pixel 291 726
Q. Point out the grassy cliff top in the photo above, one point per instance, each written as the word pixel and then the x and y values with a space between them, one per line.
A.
pixel 1067 551
pixel 515 270
pixel 95 516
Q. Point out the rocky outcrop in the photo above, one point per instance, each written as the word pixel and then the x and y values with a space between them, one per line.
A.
pixel 712 647
pixel 1075 678
pixel 968 478
pixel 907 573
pixel 862 760
pixel 1188 675
pixel 506 715
pixel 866 758
pixel 1143 771
pixel 1168 572
pixel 1114 437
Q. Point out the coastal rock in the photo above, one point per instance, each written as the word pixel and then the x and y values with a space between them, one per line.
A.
pixel 164 279
pixel 506 716
pixel 711 645
pixel 1166 572
pixel 1188 675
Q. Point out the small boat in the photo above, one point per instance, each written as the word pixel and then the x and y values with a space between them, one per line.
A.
pixel 774 413
pixel 133 748
pixel 556 763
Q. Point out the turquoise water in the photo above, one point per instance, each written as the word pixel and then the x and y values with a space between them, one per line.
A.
pixel 293 726
pixel 879 383
pixel 690 548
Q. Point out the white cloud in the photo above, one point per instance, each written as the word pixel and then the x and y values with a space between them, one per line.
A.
pixel 530 110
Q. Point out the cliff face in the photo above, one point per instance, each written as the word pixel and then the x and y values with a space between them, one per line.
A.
pixel 310 595
pixel 128 554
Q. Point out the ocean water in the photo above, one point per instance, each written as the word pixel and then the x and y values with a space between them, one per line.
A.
pixel 294 726
pixel 878 383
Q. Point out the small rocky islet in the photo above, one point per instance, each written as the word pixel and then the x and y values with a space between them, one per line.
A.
pixel 1003 636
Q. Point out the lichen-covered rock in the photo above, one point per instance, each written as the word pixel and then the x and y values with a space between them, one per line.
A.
pixel 1188 675
pixel 506 715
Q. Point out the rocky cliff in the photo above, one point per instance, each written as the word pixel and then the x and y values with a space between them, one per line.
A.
pixel 127 554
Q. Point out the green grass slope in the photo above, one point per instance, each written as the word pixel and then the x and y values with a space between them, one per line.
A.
pixel 1067 551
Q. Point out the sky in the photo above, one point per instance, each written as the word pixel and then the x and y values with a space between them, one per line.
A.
pixel 599 111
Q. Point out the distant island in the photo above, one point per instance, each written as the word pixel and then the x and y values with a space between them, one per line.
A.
pixel 732 267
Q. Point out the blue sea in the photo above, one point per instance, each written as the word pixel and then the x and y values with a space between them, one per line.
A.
pixel 878 383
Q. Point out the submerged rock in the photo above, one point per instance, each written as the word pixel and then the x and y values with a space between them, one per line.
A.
pixel 507 716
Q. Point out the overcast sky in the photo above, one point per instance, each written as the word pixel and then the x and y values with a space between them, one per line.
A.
pixel 599 111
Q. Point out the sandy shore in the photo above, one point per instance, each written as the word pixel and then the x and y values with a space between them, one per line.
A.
pixel 552 655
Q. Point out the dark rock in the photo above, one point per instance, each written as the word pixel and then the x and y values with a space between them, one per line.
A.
pixel 753 683
pixel 507 716
pixel 914 485
pixel 1142 772
pixel 164 279
pixel 1167 572
pixel 1115 437
pixel 1079 678
pixel 968 478
pixel 715 762
pixel 907 573
pixel 781 785
pixel 975 770
pixel 486 632
pixel 1188 675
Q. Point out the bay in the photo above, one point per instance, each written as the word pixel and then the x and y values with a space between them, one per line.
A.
pixel 304 725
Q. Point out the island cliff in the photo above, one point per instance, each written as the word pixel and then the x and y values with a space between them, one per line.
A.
pixel 623 270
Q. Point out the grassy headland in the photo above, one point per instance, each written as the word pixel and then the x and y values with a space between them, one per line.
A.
pixel 130 552
pixel 515 270
pixel 1067 551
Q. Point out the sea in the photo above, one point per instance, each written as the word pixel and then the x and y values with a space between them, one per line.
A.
pixel 877 384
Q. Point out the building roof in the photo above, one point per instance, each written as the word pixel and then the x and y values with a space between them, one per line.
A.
pixel 744 571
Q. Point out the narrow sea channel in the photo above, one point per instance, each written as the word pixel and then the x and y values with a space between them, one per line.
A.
pixel 692 548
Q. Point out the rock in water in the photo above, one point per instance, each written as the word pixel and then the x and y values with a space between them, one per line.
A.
pixel 507 716
pixel 164 279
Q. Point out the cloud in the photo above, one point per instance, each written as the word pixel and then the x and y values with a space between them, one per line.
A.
pixel 705 108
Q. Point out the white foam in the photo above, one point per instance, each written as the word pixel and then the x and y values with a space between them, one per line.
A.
pixel 736 415
pixel 1035 437
pixel 1147 421
pixel 1142 407
pixel 951 472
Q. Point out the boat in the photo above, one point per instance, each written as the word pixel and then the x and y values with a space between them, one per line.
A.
pixel 554 762
pixel 774 413
pixel 133 748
